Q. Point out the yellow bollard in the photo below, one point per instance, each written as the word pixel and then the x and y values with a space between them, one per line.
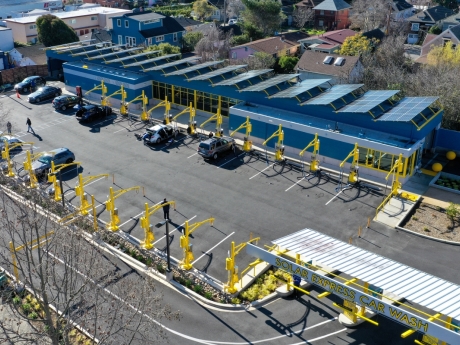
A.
pixel 350 240
pixel 368 222
pixel 359 231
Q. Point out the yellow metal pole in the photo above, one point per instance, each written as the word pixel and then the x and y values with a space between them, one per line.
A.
pixel 13 259
pixel 144 115
pixel 148 234
pixel 184 243
pixel 94 213
pixel 6 155
pixel 113 218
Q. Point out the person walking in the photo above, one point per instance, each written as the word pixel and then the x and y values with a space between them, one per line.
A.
pixel 29 126
pixel 166 209
pixel 8 127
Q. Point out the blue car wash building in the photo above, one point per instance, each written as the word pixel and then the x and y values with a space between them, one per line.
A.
pixel 383 123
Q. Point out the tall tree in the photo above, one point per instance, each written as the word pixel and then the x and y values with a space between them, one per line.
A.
pixel 234 8
pixel 215 44
pixel 369 14
pixel 53 31
pixel 287 63
pixel 202 9
pixel 303 15
pixel 190 39
pixel 264 14
pixel 165 48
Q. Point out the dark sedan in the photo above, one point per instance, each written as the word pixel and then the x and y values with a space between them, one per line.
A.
pixel 65 101
pixel 45 92
pixel 92 112
pixel 30 83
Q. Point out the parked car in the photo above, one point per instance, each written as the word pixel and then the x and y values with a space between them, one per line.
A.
pixel 159 133
pixel 45 92
pixel 11 140
pixel 59 156
pixel 65 101
pixel 26 84
pixel 92 112
pixel 215 146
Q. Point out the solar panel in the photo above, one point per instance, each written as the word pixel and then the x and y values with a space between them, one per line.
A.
pixel 243 76
pixel 407 109
pixel 280 78
pixel 336 92
pixel 368 101
pixel 157 58
pixel 194 68
pixel 82 46
pixel 297 89
pixel 218 72
pixel 171 64
pixel 97 50
pixel 112 54
pixel 132 56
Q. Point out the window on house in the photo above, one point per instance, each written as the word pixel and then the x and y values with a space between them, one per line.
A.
pixel 32 27
pixel 87 31
pixel 72 21
pixel 119 22
pixel 233 55
pixel 321 12
pixel 82 32
pixel 332 12
pixel 245 49
pixel 94 18
pixel 126 24
pixel 159 38
pixel 320 23
pixel 175 37
pixel 415 27
pixel 120 39
pixel 130 41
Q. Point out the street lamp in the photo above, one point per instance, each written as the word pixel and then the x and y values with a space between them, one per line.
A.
pixel 159 225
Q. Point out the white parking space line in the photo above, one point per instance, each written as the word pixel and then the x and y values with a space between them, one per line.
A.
pixel 335 196
pixel 207 252
pixel 173 230
pixel 136 216
pixel 295 184
pixel 230 160
pixel 72 191
pixel 262 171
pixel 124 128
pixel 192 155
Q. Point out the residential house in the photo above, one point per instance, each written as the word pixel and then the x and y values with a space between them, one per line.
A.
pixel 187 23
pixel 28 56
pixel 421 22
pixel 401 10
pixel 284 44
pixel 106 3
pixel 148 28
pixel 82 21
pixel 337 68
pixel 450 22
pixel 332 14
pixel 218 13
pixel 99 36
pixel 328 42
pixel 6 39
pixel 451 34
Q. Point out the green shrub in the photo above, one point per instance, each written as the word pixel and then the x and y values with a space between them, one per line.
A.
pixel 149 261
pixel 160 268
pixel 198 288
pixel 415 218
pixel 452 211
pixel 17 300
pixel 208 295
pixel 236 300
pixel 188 283
pixel 32 315
pixel 26 307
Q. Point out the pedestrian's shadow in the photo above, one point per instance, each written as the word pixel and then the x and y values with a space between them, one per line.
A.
pixel 37 136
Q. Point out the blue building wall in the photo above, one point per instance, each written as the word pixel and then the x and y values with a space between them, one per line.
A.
pixel 448 139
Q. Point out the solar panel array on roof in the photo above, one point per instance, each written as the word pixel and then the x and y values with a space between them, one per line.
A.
pixel 299 88
pixel 406 282
pixel 158 58
pixel 217 72
pixel 194 68
pixel 121 51
pixel 368 101
pixel 132 56
pixel 336 92
pixel 278 79
pixel 243 76
pixel 172 64
pixel 96 50
pixel 407 109
pixel 83 46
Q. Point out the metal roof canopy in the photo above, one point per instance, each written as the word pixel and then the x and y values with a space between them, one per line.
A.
pixel 98 50
pixel 131 57
pixel 83 46
pixel 368 101
pixel 407 109
pixel 194 68
pixel 172 64
pixel 243 76
pixel 157 58
pixel 218 72
pixel 299 88
pixel 280 78
pixel 419 287
pixel 336 92
pixel 66 44
pixel 111 54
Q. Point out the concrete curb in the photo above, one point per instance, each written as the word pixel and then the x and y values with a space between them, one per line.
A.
pixel 428 237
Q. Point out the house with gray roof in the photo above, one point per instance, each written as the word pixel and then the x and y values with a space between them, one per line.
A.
pixel 451 21
pixel 422 21
pixel 450 35
pixel 332 15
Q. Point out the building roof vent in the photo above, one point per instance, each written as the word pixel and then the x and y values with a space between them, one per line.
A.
pixel 339 62
pixel 328 60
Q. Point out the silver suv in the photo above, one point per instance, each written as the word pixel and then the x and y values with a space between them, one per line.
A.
pixel 215 146
pixel 58 156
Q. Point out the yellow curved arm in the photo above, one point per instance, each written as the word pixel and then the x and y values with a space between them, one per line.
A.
pixel 314 143
pixel 247 125
pixel 354 153
pixel 279 133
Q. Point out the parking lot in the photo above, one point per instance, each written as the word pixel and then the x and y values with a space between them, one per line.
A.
pixel 247 194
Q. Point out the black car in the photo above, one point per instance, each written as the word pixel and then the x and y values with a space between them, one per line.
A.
pixel 29 83
pixel 43 93
pixel 92 112
pixel 65 101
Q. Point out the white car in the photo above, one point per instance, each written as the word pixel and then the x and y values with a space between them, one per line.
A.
pixel 232 21
pixel 159 133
